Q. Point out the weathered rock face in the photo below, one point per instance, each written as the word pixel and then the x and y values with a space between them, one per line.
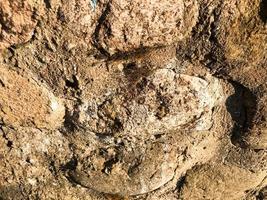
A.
pixel 200 176
pixel 17 22
pixel 139 132
pixel 133 99
pixel 130 25
pixel 24 102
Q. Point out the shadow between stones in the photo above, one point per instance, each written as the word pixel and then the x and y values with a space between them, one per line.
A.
pixel 242 106
pixel 263 10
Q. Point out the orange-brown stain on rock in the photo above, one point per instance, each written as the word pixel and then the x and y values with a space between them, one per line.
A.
pixel 24 102
pixel 16 22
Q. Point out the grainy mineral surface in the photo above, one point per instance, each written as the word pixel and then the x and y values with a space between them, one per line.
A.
pixel 134 100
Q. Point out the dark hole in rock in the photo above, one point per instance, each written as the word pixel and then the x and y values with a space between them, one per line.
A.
pixel 74 83
pixel 242 108
pixel 263 10
pixel 9 144
pixel 108 165
pixel 69 123
pixel 71 165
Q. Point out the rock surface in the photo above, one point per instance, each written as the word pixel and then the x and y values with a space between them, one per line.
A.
pixel 108 99
pixel 17 22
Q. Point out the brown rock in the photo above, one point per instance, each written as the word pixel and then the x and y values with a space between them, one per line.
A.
pixel 155 100
pixel 130 25
pixel 219 182
pixel 24 102
pixel 16 22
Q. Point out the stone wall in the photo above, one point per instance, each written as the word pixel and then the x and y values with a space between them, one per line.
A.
pixel 120 99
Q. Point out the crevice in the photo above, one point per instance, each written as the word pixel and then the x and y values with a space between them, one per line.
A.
pixel 96 36
pixel 213 26
pixel 69 170
pixel 60 15
pixel 108 165
pixel 262 194
pixel 242 107
pixel 180 184
pixel 47 4
pixel 73 83
pixel 2 83
pixel 263 11
pixel 69 123
pixel 71 165
pixel 52 168
pixel 9 144
pixel 3 24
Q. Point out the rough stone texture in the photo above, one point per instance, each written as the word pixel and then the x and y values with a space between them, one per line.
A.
pixel 17 22
pixel 148 99
pixel 209 182
pixel 26 103
pixel 129 25
pixel 166 107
